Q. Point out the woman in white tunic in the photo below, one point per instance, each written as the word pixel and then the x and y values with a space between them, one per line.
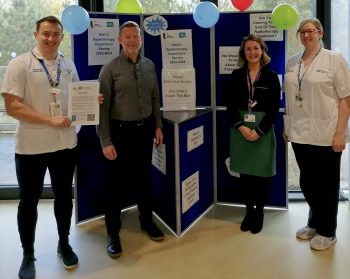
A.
pixel 317 88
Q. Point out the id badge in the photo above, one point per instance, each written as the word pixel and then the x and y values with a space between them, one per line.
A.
pixel 56 109
pixel 298 104
pixel 55 91
pixel 249 118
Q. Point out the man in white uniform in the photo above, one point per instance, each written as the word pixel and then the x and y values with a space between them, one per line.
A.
pixel 35 90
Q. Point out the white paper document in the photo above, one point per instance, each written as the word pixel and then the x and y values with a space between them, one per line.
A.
pixel 177 49
pixel 179 89
pixel 83 106
pixel 102 40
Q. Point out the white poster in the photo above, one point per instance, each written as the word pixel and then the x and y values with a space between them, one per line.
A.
pixel 195 138
pixel 228 59
pixel 261 25
pixel 177 49
pixel 190 191
pixel 159 157
pixel 102 40
pixel 83 106
pixel 179 89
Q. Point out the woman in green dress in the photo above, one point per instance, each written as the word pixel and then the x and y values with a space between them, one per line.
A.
pixel 253 106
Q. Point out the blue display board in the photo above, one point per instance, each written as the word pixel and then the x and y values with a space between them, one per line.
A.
pixel 229 31
pixel 165 185
pixel 200 49
pixel 92 168
pixel 199 159
pixel 182 164
pixel 80 47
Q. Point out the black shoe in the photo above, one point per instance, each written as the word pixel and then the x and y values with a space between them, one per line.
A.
pixel 69 258
pixel 114 248
pixel 27 269
pixel 247 221
pixel 152 230
pixel 258 223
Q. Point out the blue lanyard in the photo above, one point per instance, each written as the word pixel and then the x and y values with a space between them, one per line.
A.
pixel 52 83
pixel 300 79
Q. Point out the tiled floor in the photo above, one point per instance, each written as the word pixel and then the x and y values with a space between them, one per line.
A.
pixel 213 248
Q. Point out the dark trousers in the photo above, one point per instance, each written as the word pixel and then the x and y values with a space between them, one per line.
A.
pixel 132 167
pixel 254 190
pixel 319 180
pixel 31 171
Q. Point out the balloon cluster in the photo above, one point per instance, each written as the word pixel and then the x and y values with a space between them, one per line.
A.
pixel 129 7
pixel 75 19
pixel 206 14
pixel 284 16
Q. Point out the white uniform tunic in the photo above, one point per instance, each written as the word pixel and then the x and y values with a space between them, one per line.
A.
pixel 26 78
pixel 326 81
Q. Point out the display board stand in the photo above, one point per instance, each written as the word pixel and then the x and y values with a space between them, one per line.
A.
pixel 205 163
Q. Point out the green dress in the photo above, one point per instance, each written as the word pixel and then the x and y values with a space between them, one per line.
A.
pixel 256 158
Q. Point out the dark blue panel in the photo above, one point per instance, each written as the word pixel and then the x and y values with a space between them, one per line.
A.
pixel 81 50
pixel 227 189
pixel 93 176
pixel 201 53
pixel 164 185
pixel 199 159
pixel 229 31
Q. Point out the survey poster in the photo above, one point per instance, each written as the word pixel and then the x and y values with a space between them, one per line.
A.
pixel 103 40
pixel 177 49
pixel 261 24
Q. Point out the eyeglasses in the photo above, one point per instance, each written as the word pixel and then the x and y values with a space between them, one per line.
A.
pixel 309 32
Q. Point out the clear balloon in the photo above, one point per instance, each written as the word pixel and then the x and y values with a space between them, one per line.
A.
pixel 284 16
pixel 75 19
pixel 206 14
pixel 129 7
pixel 242 5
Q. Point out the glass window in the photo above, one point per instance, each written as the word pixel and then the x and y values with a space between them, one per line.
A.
pixel 340 29
pixel 17 25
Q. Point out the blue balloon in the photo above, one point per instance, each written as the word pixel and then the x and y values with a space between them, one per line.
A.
pixel 206 14
pixel 75 19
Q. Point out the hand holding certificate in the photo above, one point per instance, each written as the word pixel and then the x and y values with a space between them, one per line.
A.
pixel 83 106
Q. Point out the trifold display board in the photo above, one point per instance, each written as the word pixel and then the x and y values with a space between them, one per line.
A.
pixel 92 167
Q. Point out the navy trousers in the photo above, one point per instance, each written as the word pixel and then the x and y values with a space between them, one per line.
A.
pixel 30 170
pixel 131 168
pixel 320 182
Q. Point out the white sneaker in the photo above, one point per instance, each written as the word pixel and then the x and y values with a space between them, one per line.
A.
pixel 321 243
pixel 306 233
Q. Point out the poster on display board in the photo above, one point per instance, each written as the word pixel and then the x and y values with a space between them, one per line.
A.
pixel 177 49
pixel 261 24
pixel 179 89
pixel 102 40
pixel 228 59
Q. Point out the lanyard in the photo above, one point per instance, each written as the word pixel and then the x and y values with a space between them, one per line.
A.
pixel 52 83
pixel 300 79
pixel 251 89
